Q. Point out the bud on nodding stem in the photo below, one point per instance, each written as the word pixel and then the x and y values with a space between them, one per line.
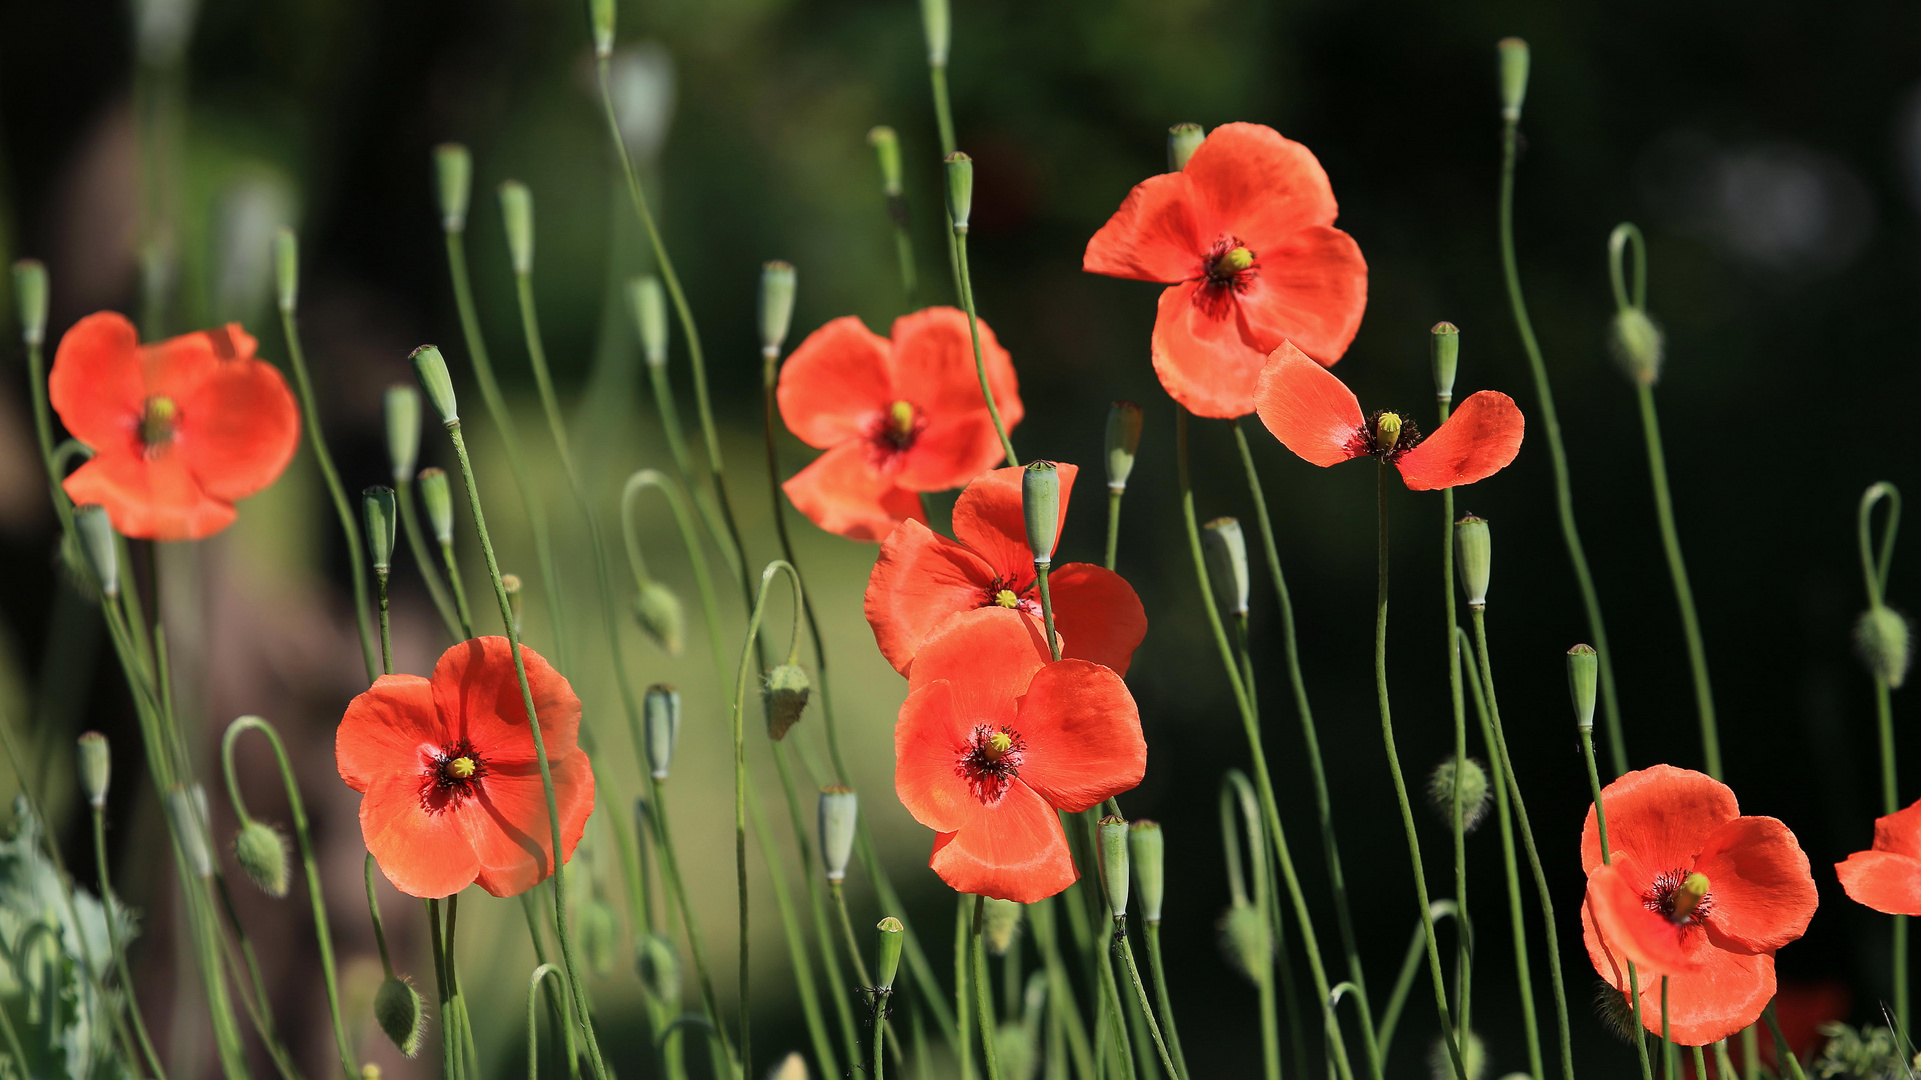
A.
pixel 401 407
pixel 187 810
pixel 96 539
pixel 776 304
pixel 890 940
pixel 1000 919
pixel 1114 863
pixel 1638 345
pixel 95 762
pixel 377 504
pixel 937 25
pixel 1473 555
pixel 510 584
pixel 30 299
pixel 397 1009
pixel 262 852
pixel 1446 353
pixel 431 369
pixel 1583 669
pixel 660 970
pixel 662 710
pixel 1514 64
pixel 601 14
pixel 1182 141
pixel 650 317
pixel 517 214
pixel 1148 849
pixel 1041 506
pixel 886 144
pixel 1881 635
pixel 438 497
pixel 659 612
pixel 286 269
pixel 454 180
pixel 1123 442
pixel 1226 548
pixel 786 695
pixel 960 189
pixel 839 812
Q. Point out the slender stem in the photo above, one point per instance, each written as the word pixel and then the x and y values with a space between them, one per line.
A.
pixel 796 946
pixel 449 1056
pixel 386 634
pixel 1125 952
pixel 119 947
pixel 373 909
pixel 1158 972
pixel 1114 494
pixel 1563 491
pixel 1607 857
pixel 1782 1051
pixel 1065 1023
pixel 1463 955
pixel 43 432
pixel 974 329
pixel 417 545
pixel 1041 567
pixel 460 591
pixel 534 982
pixel 1678 570
pixel 963 1010
pixel 556 999
pixel 1874 573
pixel 1667 1042
pixel 983 999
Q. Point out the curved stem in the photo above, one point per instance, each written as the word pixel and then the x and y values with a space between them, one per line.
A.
pixel 1678 570
pixel 1874 574
pixel 1629 290
pixel 533 1027
pixel 118 946
pixel 974 330
pixel 1607 857
pixel 1125 951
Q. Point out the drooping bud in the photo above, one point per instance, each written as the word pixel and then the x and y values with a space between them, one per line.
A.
pixel 938 26
pixel 95 762
pixel 1474 793
pixel 510 584
pixel 377 506
pixel 1182 141
pixel 1001 919
pixel 1123 442
pixel 438 497
pixel 660 970
pixel 30 299
pixel 776 304
pixel 97 542
pixel 891 932
pixel 1041 506
pixel 1694 889
pixel 601 14
pixel 286 269
pixel 187 812
pixel 960 189
pixel 517 215
pixel 1148 850
pixel 1446 354
pixel 1583 673
pixel 1514 65
pixel 786 695
pixel 454 180
pixel 886 144
pixel 1247 941
pixel 650 317
pixel 1473 555
pixel 662 710
pixel 397 1008
pixel 599 936
pixel 839 812
pixel 1226 548
pixel 1440 1063
pixel 401 407
pixel 430 368
pixel 262 852
pixel 1113 836
pixel 1881 635
pixel 1638 345
pixel 659 611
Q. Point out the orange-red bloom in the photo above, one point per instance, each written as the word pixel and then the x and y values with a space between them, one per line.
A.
pixel 1696 892
pixel 994 738
pixel 923 579
pixel 1315 415
pixel 451 785
pixel 1887 877
pixel 1244 236
pixel 180 430
pixel 895 417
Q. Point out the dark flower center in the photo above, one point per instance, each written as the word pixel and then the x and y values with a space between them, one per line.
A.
pixel 1228 269
pixel 1388 435
pixel 893 432
pixel 158 418
pixel 455 773
pixel 1680 896
pixel 1003 592
pixel 991 761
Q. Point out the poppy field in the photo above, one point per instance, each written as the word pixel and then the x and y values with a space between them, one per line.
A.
pixel 492 613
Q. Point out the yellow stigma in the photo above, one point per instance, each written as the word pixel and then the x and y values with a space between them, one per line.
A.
pixel 1235 261
pixel 901 416
pixel 156 425
pixel 1387 430
pixel 1688 897
pixel 461 768
pixel 1006 598
pixel 998 744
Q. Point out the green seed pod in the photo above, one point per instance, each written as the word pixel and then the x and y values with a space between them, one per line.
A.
pixel 1113 835
pixel 438 497
pixel 1387 431
pixel 30 299
pixel 960 189
pixel 454 181
pixel 1445 351
pixel 776 304
pixel 397 1008
pixel 1514 65
pixel 510 584
pixel 1182 141
pixel 659 970
pixel 599 936
pixel 661 708
pixel 1881 635
pixel 378 510
pixel 839 812
pixel 786 696
pixel 431 369
pixel 1583 672
pixel 517 215
pixel 262 852
pixel 886 144
pixel 286 269
pixel 1474 793
pixel 1246 941
pixel 890 940
pixel 1148 850
pixel 1001 920
pixel 401 407
pixel 1123 442
pixel 1226 548
pixel 1041 506
pixel 187 812
pixel 1638 345
pixel 659 611
pixel 1473 555
pixel 1440 1063
pixel 601 14
pixel 938 26
pixel 97 543
pixel 650 317
pixel 95 762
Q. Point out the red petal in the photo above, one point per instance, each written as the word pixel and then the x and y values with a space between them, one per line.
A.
pixel 1203 354
pixel 989 658
pixel 934 366
pixel 1662 814
pixel 238 428
pixel 1478 440
pixel 1309 289
pixel 506 822
pixel 837 385
pixel 1097 615
pixel 1083 735
pixel 1900 832
pixel 988 518
pixel 844 493
pixel 1759 881
pixel 477 693
pixel 1725 994
pixel 1656 945
pixel 146 498
pixel 176 367
pixel 1882 880
pixel 929 739
pixel 1311 411
pixel 949 452
pixel 390 730
pixel 96 384
pixel 423 851
pixel 1257 186
pixel 920 581
pixel 1015 851
pixel 1154 236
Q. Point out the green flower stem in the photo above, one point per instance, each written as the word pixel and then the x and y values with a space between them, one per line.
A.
pixel 1041 568
pixel 1607 857
pixel 459 590
pixel 1563 490
pixel 582 1015
pixel 349 521
pixel 1782 1053
pixel 417 544
pixel 813 872
pixel 1394 769
pixel 1330 846
pixel 963 1009
pixel 1124 951
pixel 1463 956
pixel 534 982
pixel 1479 615
pixel 1151 929
pixel 1874 574
pixel 373 910
pixel 556 1003
pixel 1251 723
pixel 119 946
pixel 1668 1069
pixel 880 998
pixel 966 283
pixel 1067 1030
pixel 386 635
pixel 470 1061
pixel 1410 969
pixel 1235 790
pixel 983 997
pixel 1113 524
pixel 449 1056
pixel 43 432
pixel 298 808
pixel 796 946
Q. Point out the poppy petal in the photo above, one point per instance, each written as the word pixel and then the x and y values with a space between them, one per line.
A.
pixel 837 384
pixel 477 693
pixel 989 657
pixel 1309 409
pixel 1662 814
pixel 1254 183
pixel 1016 851
pixel 1082 733
pixel 238 429
pixel 1900 832
pixel 1154 236
pixel 929 739
pixel 934 366
pixel 1202 353
pixel 506 822
pixel 96 384
pixel 1758 880
pixel 1311 290
pixel 390 729
pixel 148 498
pixel 1656 945
pixel 1479 439
pixel 423 851
pixel 1097 614
pixel 1882 880
pixel 920 580
pixel 844 493
pixel 988 518
pixel 176 367
pixel 1725 994
pixel 949 452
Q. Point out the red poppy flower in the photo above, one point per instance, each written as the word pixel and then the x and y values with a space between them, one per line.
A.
pixel 180 430
pixel 450 783
pixel 1887 877
pixel 994 738
pixel 1696 892
pixel 922 579
pixel 895 417
pixel 1317 417
pixel 1245 238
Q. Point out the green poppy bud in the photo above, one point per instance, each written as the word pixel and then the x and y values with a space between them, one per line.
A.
pixel 1473 555
pixel 431 369
pixel 1226 548
pixel 1474 793
pixel 839 811
pixel 1446 353
pixel 1113 836
pixel 1182 141
pixel 1638 345
pixel 95 762
pixel 1148 850
pixel 1440 1062
pixel 1514 65
pixel 599 937
pixel 1000 920
pixel 886 144
pixel 1041 505
pixel 187 813
pixel 1123 442
pixel 601 14
pixel 1881 635
pixel 286 268
pixel 960 189
pixel 517 215
pixel 97 543
pixel 30 299
pixel 397 1008
pixel 262 852
pixel 438 498
pixel 1583 672
pixel 659 970
pixel 776 304
pixel 661 707
pixel 401 407
pixel 454 180
pixel 1246 940
pixel 938 26
pixel 786 696
pixel 891 933
pixel 660 614
pixel 377 505
pixel 650 317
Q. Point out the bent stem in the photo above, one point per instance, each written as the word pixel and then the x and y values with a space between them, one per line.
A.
pixel 118 946
pixel 1678 570
pixel 1874 573
pixel 1124 950
pixel 534 983
pixel 966 284
pixel 1607 858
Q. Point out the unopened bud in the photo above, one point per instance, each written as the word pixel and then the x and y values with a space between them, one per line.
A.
pixel 30 299
pixel 1638 345
pixel 1000 920
pixel 660 970
pixel 960 189
pixel 599 936
pixel 97 542
pixel 1041 506
pixel 1473 555
pixel 601 14
pixel 839 812
pixel 1440 1062
pixel 286 269
pixel 1446 354
pixel 401 407
pixel 791 1067
pixel 1514 65
pixel 95 762
pixel 1182 141
pixel 517 216
pixel 1583 673
pixel 776 304
pixel 886 144
pixel 430 368
pixel 1881 635
pixel 438 498
pixel 1472 779
pixel 786 696
pixel 658 609
pixel 187 812
pixel 1226 548
pixel 661 708
pixel 1123 442
pixel 510 584
pixel 262 852
pixel 1148 850
pixel 397 1008
pixel 1246 941
pixel 891 933
pixel 1113 836
pixel 650 318
pixel 377 505
pixel 938 26
pixel 454 179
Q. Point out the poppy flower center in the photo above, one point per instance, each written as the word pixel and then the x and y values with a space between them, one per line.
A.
pixel 1228 261
pixel 991 761
pixel 455 774
pixel 1002 592
pixel 893 431
pixel 157 421
pixel 1006 598
pixel 1683 898
pixel 1388 435
pixel 460 768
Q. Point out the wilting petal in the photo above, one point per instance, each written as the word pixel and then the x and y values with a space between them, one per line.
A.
pixel 238 428
pixel 97 385
pixel 921 580
pixel 1311 290
pixel 1310 410
pixel 1479 439
pixel 934 366
pixel 506 821
pixel 844 493
pixel 1097 614
pixel 1153 236
pixel 1258 186
pixel 837 384
pixel 1758 878
pixel 390 730
pixel 1662 814
pixel 988 518
pixel 1882 880
pixel 477 693
pixel 149 498
pixel 1016 851
pixel 1202 352
pixel 1083 735
pixel 421 847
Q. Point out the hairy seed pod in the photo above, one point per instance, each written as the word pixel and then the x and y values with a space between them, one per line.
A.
pixel 397 1008
pixel 261 851
pixel 1474 793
